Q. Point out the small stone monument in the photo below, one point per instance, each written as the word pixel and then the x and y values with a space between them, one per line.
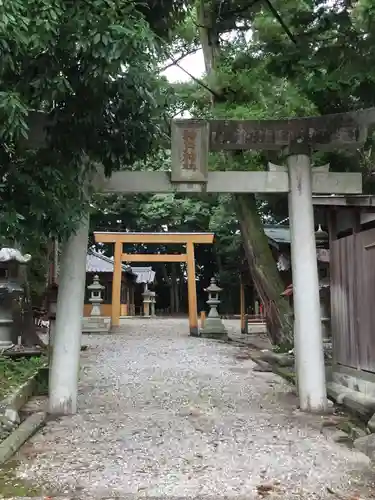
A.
pixel 96 296
pixel 213 326
pixel 10 289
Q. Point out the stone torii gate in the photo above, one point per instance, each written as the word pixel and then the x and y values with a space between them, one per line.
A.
pixel 191 142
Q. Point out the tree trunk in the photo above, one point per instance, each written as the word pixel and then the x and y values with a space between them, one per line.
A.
pixel 209 37
pixel 261 262
pixel 264 272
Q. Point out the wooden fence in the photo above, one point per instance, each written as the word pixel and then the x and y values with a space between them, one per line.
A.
pixel 353 300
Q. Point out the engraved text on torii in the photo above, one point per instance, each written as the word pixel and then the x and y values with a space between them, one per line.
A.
pixel 189 155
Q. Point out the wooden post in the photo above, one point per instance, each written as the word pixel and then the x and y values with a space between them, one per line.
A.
pixel 242 306
pixel 192 290
pixel 116 286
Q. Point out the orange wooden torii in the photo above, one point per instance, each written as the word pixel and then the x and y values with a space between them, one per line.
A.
pixel 188 239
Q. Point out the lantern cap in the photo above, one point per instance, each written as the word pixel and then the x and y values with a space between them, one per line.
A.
pixel 12 254
pixel 320 234
pixel 96 284
pixel 213 287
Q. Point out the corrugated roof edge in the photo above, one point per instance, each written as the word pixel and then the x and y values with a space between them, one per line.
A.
pixel 277 233
pixel 126 268
pixel 142 274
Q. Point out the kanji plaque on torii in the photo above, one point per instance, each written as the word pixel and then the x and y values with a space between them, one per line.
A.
pixel 189 151
pixel 323 133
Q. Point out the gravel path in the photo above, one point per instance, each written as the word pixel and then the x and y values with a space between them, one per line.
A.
pixel 163 414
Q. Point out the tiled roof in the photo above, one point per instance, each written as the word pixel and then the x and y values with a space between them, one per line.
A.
pixel 278 233
pixel 281 234
pixel 99 263
pixel 144 274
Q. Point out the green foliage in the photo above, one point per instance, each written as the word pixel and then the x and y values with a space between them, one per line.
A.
pixel 91 67
pixel 332 59
pixel 13 373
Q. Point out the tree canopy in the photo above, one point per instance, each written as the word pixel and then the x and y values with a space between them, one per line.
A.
pixel 91 68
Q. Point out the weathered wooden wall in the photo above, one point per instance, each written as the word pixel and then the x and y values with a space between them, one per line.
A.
pixel 353 300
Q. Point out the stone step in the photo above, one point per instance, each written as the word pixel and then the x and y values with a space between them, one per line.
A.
pixel 363 406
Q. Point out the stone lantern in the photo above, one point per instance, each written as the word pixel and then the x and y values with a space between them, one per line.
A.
pixel 322 241
pixel 96 296
pixel 213 326
pixel 321 237
pixel 10 289
pixel 147 301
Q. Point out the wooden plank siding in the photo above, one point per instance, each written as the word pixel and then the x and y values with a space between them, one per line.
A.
pixel 352 300
pixel 343 282
pixel 366 294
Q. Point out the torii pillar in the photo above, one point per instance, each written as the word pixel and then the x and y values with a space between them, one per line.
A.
pixel 308 340
pixel 298 138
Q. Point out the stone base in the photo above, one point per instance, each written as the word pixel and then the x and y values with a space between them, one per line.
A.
pixel 194 332
pixel 214 329
pixel 6 337
pixel 355 380
pixel 214 335
pixel 360 404
pixel 5 344
pixel 96 324
pixel 366 445
pixel 255 328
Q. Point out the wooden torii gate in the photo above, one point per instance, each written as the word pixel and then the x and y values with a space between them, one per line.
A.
pixel 188 239
pixel 191 142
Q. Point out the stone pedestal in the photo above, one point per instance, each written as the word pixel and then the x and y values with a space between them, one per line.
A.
pixel 6 322
pixel 152 304
pixel 96 324
pixel 213 327
pixel 147 301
